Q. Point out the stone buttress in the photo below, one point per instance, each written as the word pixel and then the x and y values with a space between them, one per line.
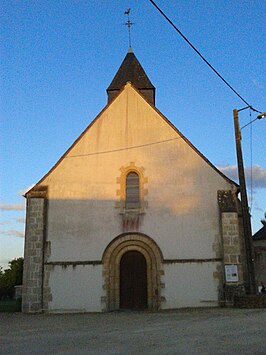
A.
pixel 32 291
pixel 233 247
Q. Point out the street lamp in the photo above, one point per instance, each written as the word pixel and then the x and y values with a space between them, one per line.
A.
pixel 251 282
pixel 260 116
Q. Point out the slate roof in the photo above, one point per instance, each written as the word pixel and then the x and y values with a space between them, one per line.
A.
pixel 130 70
pixel 261 233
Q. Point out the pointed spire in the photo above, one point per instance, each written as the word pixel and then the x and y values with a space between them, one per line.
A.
pixel 131 70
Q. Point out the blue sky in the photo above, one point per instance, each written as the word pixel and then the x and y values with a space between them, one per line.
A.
pixel 58 58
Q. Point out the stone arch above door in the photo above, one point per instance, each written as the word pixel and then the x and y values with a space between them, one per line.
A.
pixel 111 264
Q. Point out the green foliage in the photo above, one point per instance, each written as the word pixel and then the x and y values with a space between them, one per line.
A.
pixel 10 278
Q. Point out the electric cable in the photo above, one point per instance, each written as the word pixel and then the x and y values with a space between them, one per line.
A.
pixel 201 56
pixel 125 148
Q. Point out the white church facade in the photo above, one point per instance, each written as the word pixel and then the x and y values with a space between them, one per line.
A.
pixel 132 216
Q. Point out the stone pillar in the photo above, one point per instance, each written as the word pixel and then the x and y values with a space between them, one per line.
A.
pixel 33 254
pixel 233 252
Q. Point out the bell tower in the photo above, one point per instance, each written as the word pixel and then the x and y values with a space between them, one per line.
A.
pixel 131 70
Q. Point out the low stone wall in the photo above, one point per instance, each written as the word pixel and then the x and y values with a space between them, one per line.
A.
pixel 250 301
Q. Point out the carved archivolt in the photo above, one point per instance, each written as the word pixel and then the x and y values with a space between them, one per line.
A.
pixel 111 268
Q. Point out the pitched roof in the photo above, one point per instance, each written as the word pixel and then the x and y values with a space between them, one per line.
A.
pixel 162 116
pixel 130 70
pixel 260 234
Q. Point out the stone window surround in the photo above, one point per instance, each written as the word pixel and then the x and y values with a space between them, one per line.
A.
pixel 121 191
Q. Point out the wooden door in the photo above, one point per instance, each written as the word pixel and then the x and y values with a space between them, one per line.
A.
pixel 133 281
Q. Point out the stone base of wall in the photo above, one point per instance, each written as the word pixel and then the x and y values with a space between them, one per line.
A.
pixel 229 293
pixel 250 301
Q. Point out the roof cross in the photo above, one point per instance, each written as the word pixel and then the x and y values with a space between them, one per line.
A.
pixel 128 24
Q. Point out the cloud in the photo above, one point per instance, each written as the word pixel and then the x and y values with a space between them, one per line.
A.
pixel 9 221
pixel 13 233
pixel 2 223
pixel 257 172
pixel 230 171
pixel 20 220
pixel 257 84
pixel 4 261
pixel 12 207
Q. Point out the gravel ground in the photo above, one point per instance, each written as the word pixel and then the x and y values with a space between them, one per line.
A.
pixel 193 331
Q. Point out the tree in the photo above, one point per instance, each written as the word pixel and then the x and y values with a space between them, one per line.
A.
pixel 10 278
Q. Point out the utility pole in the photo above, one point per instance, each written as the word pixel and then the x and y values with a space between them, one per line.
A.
pixel 251 283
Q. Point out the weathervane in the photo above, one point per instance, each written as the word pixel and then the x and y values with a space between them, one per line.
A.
pixel 128 24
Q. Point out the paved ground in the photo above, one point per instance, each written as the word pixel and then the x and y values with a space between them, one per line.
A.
pixel 196 331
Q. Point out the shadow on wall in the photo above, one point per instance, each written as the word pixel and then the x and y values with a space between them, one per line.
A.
pixel 80 229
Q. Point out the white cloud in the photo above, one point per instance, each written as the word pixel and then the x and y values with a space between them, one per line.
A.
pixel 257 84
pixel 4 261
pixel 13 233
pixel 9 221
pixel 257 172
pixel 230 171
pixel 20 220
pixel 2 223
pixel 12 207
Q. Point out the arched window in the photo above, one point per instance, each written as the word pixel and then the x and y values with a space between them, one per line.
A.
pixel 132 191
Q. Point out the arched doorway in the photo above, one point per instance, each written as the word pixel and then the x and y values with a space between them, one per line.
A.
pixel 133 281
pixel 118 250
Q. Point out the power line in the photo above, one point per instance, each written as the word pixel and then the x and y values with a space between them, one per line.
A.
pixel 126 148
pixel 202 57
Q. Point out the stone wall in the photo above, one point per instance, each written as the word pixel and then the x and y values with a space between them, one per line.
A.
pixel 232 242
pixel 260 261
pixel 250 301
pixel 233 248
pixel 33 256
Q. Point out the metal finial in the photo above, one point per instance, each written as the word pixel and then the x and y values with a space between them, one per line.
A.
pixel 128 24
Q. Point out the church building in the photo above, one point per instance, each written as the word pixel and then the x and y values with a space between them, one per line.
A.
pixel 132 216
